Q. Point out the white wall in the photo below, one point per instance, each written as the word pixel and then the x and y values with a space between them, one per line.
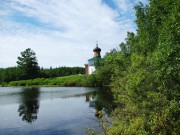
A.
pixel 91 69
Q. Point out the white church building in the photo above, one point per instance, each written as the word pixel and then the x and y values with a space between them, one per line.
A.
pixel 90 67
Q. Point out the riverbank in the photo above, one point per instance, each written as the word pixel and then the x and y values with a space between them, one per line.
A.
pixel 67 81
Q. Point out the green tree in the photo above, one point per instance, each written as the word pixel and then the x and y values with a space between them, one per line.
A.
pixel 145 73
pixel 27 62
pixel 10 74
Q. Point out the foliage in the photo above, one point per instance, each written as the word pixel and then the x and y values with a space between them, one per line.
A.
pixel 61 71
pixel 27 62
pixel 16 73
pixel 144 73
pixel 9 74
pixel 98 62
pixel 73 80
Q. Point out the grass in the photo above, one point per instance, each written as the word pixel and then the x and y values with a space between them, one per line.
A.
pixel 73 80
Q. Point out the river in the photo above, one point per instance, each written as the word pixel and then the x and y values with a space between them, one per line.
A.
pixel 51 110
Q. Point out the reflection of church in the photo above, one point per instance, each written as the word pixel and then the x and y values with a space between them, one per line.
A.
pixel 91 100
pixel 93 104
pixel 90 67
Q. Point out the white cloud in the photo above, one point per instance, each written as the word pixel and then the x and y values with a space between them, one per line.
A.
pixel 122 4
pixel 128 5
pixel 68 33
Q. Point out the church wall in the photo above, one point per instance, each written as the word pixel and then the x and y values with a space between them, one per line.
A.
pixel 91 69
pixel 86 69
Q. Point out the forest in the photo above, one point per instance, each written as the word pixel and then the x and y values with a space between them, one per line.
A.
pixel 16 73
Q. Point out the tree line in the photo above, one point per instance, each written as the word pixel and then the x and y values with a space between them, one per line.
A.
pixel 15 73
pixel 28 68
pixel 144 73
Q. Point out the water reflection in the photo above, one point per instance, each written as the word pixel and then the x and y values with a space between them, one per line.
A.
pixel 29 104
pixel 101 100
pixel 72 109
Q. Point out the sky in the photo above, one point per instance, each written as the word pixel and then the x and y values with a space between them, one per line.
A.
pixel 63 32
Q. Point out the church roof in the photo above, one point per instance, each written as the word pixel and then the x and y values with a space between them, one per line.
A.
pixel 93 60
pixel 97 48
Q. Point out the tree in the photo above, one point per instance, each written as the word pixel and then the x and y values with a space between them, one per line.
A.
pixel 10 74
pixel 145 73
pixel 28 64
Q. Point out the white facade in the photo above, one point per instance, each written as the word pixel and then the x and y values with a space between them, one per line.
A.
pixel 91 69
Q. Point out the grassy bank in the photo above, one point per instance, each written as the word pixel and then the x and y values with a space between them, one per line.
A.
pixel 73 80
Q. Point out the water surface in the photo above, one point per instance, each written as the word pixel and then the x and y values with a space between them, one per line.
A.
pixel 50 110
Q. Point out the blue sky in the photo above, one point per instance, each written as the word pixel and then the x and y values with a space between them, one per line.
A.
pixel 63 32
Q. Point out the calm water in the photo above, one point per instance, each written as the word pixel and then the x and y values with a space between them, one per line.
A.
pixel 50 110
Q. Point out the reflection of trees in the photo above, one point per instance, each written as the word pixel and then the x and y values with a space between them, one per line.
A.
pixel 29 106
pixel 101 100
